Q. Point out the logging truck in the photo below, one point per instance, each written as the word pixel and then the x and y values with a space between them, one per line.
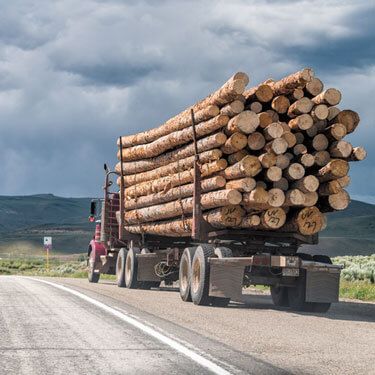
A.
pixel 211 266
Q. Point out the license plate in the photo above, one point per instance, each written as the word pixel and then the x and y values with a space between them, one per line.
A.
pixel 292 272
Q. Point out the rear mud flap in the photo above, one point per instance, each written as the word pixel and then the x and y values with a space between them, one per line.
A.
pixel 322 286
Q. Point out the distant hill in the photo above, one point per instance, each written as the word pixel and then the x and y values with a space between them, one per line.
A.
pixel 24 220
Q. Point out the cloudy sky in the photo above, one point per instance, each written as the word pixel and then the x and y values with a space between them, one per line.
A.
pixel 74 75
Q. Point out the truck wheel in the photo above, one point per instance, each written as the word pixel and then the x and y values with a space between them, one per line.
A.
pixel 221 252
pixel 131 268
pixel 200 275
pixel 93 277
pixel 120 267
pixel 279 296
pixel 184 274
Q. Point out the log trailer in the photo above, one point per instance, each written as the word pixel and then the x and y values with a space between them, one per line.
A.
pixel 211 265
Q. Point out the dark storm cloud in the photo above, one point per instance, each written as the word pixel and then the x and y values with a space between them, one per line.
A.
pixel 76 75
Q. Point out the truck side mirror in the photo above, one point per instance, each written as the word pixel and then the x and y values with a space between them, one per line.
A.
pixel 92 211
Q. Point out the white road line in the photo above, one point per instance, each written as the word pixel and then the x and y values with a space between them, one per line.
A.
pixel 175 345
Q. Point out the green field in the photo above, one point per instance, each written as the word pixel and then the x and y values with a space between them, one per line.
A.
pixel 357 277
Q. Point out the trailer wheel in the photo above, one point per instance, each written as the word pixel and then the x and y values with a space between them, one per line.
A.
pixel 184 274
pixel 92 276
pixel 131 268
pixel 200 276
pixel 120 267
pixel 221 252
pixel 279 296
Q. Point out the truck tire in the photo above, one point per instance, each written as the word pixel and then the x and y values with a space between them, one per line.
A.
pixel 200 275
pixel 92 276
pixel 279 296
pixel 131 268
pixel 184 273
pixel 221 252
pixel 120 267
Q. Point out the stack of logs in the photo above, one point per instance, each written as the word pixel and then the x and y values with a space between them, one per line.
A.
pixel 272 157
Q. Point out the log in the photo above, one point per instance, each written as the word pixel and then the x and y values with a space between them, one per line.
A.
pixel 169 182
pixel 262 93
pixel 176 123
pixel 282 161
pixel 250 221
pixel 229 216
pixel 334 186
pixel 311 198
pixel 264 119
pixel 300 107
pixel 332 113
pixel 175 167
pixel 358 154
pixel 320 142
pixel 257 199
pixel 299 149
pixel 243 185
pixel 340 149
pixel 335 169
pixel 233 109
pixel 322 158
pixel 249 166
pixel 280 104
pixel 295 171
pixel 256 107
pixel 302 122
pixel 204 144
pixel 307 184
pixel 273 174
pixel 237 156
pixel 274 115
pixel 173 140
pixel 185 206
pixel 307 221
pixel 273 218
pixel 299 137
pixel 277 146
pixel 179 192
pixel 335 202
pixel 330 97
pixel 292 82
pixel 267 160
pixel 276 197
pixel 290 139
pixel 256 141
pixel 261 184
pixel 282 184
pixel 314 87
pixel 319 112
pixel 349 118
pixel 273 131
pixel 236 142
pixel 295 95
pixel 307 160
pixel 294 197
pixel 246 122
pixel 335 132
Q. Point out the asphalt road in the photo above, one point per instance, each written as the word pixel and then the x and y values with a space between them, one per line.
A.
pixel 103 329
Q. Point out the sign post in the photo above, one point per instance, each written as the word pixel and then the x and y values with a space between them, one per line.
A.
pixel 47 243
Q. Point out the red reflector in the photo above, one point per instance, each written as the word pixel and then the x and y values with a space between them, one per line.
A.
pixel 91 219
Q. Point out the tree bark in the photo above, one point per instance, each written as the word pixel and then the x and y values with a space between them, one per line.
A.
pixel 358 154
pixel 204 144
pixel 334 186
pixel 179 192
pixel 332 113
pixel 175 167
pixel 292 82
pixel 349 118
pixel 185 206
pixel 233 109
pixel 237 156
pixel 174 139
pixel 169 182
